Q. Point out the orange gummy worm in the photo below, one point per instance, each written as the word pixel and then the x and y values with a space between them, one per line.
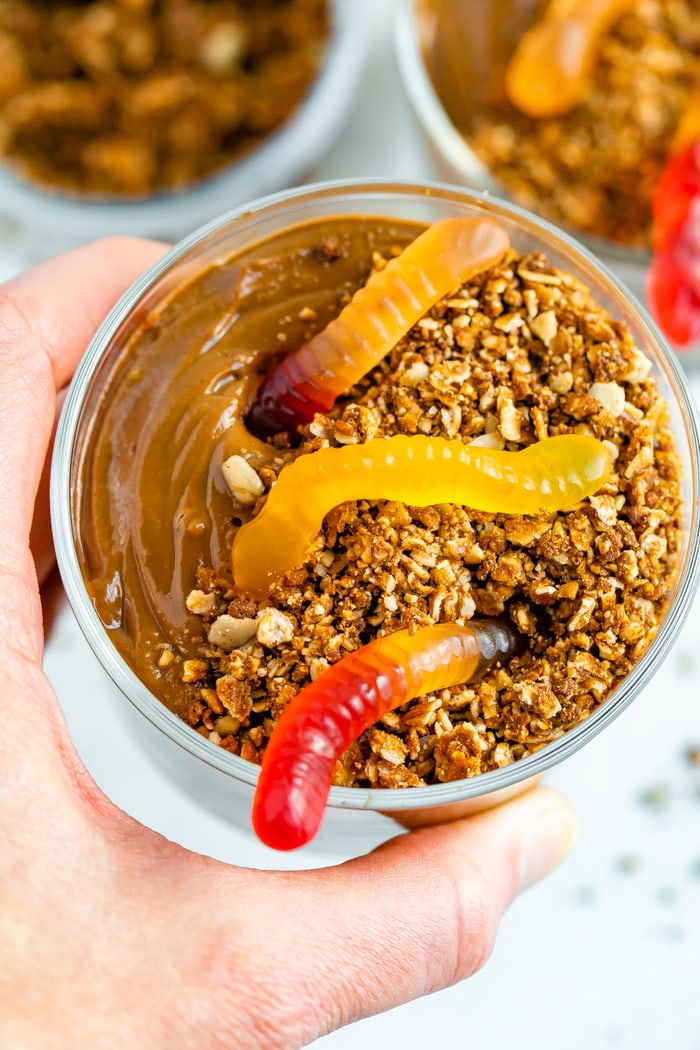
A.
pixel 322 720
pixel 549 72
pixel 542 478
pixel 445 255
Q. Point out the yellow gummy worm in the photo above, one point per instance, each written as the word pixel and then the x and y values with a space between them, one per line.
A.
pixel 549 72
pixel 442 257
pixel 542 478
pixel 447 254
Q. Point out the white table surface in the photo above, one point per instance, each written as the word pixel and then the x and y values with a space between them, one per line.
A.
pixel 606 952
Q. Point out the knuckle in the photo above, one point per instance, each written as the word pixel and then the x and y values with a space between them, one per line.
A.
pixel 459 929
pixel 13 326
pixel 26 375
pixel 20 356
pixel 477 932
pixel 475 915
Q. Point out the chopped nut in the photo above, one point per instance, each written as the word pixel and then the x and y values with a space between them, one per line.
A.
pixel 242 481
pixel 538 696
pixel 223 48
pixel 510 420
pixel 274 628
pixel 458 753
pixel 235 696
pixel 390 747
pixel 583 613
pixel 493 440
pixel 226 725
pixel 417 373
pixel 194 670
pixel 545 326
pixel 166 657
pixel 605 509
pixel 317 666
pixel 229 632
pixel 610 395
pixel 638 368
pixel 507 322
pixel 200 603
pixel 561 382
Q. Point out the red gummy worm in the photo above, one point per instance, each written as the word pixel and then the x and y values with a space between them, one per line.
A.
pixel 326 716
pixel 442 257
pixel 673 281
pixel 675 191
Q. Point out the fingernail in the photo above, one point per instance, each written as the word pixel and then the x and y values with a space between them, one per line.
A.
pixel 547 842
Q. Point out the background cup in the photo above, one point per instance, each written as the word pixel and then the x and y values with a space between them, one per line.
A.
pixel 453 158
pixel 280 160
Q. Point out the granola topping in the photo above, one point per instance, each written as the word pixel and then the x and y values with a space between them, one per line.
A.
pixel 517 354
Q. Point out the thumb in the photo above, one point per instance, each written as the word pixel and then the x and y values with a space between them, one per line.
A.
pixel 47 317
pixel 414 916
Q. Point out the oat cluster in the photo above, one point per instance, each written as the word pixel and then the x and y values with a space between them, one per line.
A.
pixel 596 168
pixel 518 354
pixel 130 96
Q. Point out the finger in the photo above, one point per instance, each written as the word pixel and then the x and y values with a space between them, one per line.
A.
pixel 414 916
pixel 53 309
pixel 47 317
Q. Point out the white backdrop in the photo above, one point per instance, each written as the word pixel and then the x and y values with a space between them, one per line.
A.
pixel 607 951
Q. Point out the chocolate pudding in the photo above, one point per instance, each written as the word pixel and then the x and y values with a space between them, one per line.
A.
pixel 153 506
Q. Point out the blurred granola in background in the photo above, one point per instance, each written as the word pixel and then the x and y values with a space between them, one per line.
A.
pixel 596 167
pixel 128 97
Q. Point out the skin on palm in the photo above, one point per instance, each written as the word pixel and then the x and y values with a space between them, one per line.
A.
pixel 109 934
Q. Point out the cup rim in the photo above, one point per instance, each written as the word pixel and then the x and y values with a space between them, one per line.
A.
pixel 381 799
pixel 440 129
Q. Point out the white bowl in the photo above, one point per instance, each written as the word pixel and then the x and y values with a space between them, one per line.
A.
pixel 283 159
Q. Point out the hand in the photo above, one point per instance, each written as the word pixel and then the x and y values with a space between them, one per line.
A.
pixel 111 936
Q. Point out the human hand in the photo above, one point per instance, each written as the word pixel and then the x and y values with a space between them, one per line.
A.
pixel 111 936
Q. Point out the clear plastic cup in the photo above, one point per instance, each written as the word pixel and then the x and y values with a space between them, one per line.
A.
pixel 454 159
pixel 225 782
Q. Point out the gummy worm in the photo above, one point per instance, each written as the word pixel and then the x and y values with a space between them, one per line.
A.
pixel 445 255
pixel 550 70
pixel 673 280
pixel 324 718
pixel 421 471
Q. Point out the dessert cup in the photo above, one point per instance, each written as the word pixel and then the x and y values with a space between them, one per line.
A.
pixel 223 781
pixel 284 158
pixel 454 159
